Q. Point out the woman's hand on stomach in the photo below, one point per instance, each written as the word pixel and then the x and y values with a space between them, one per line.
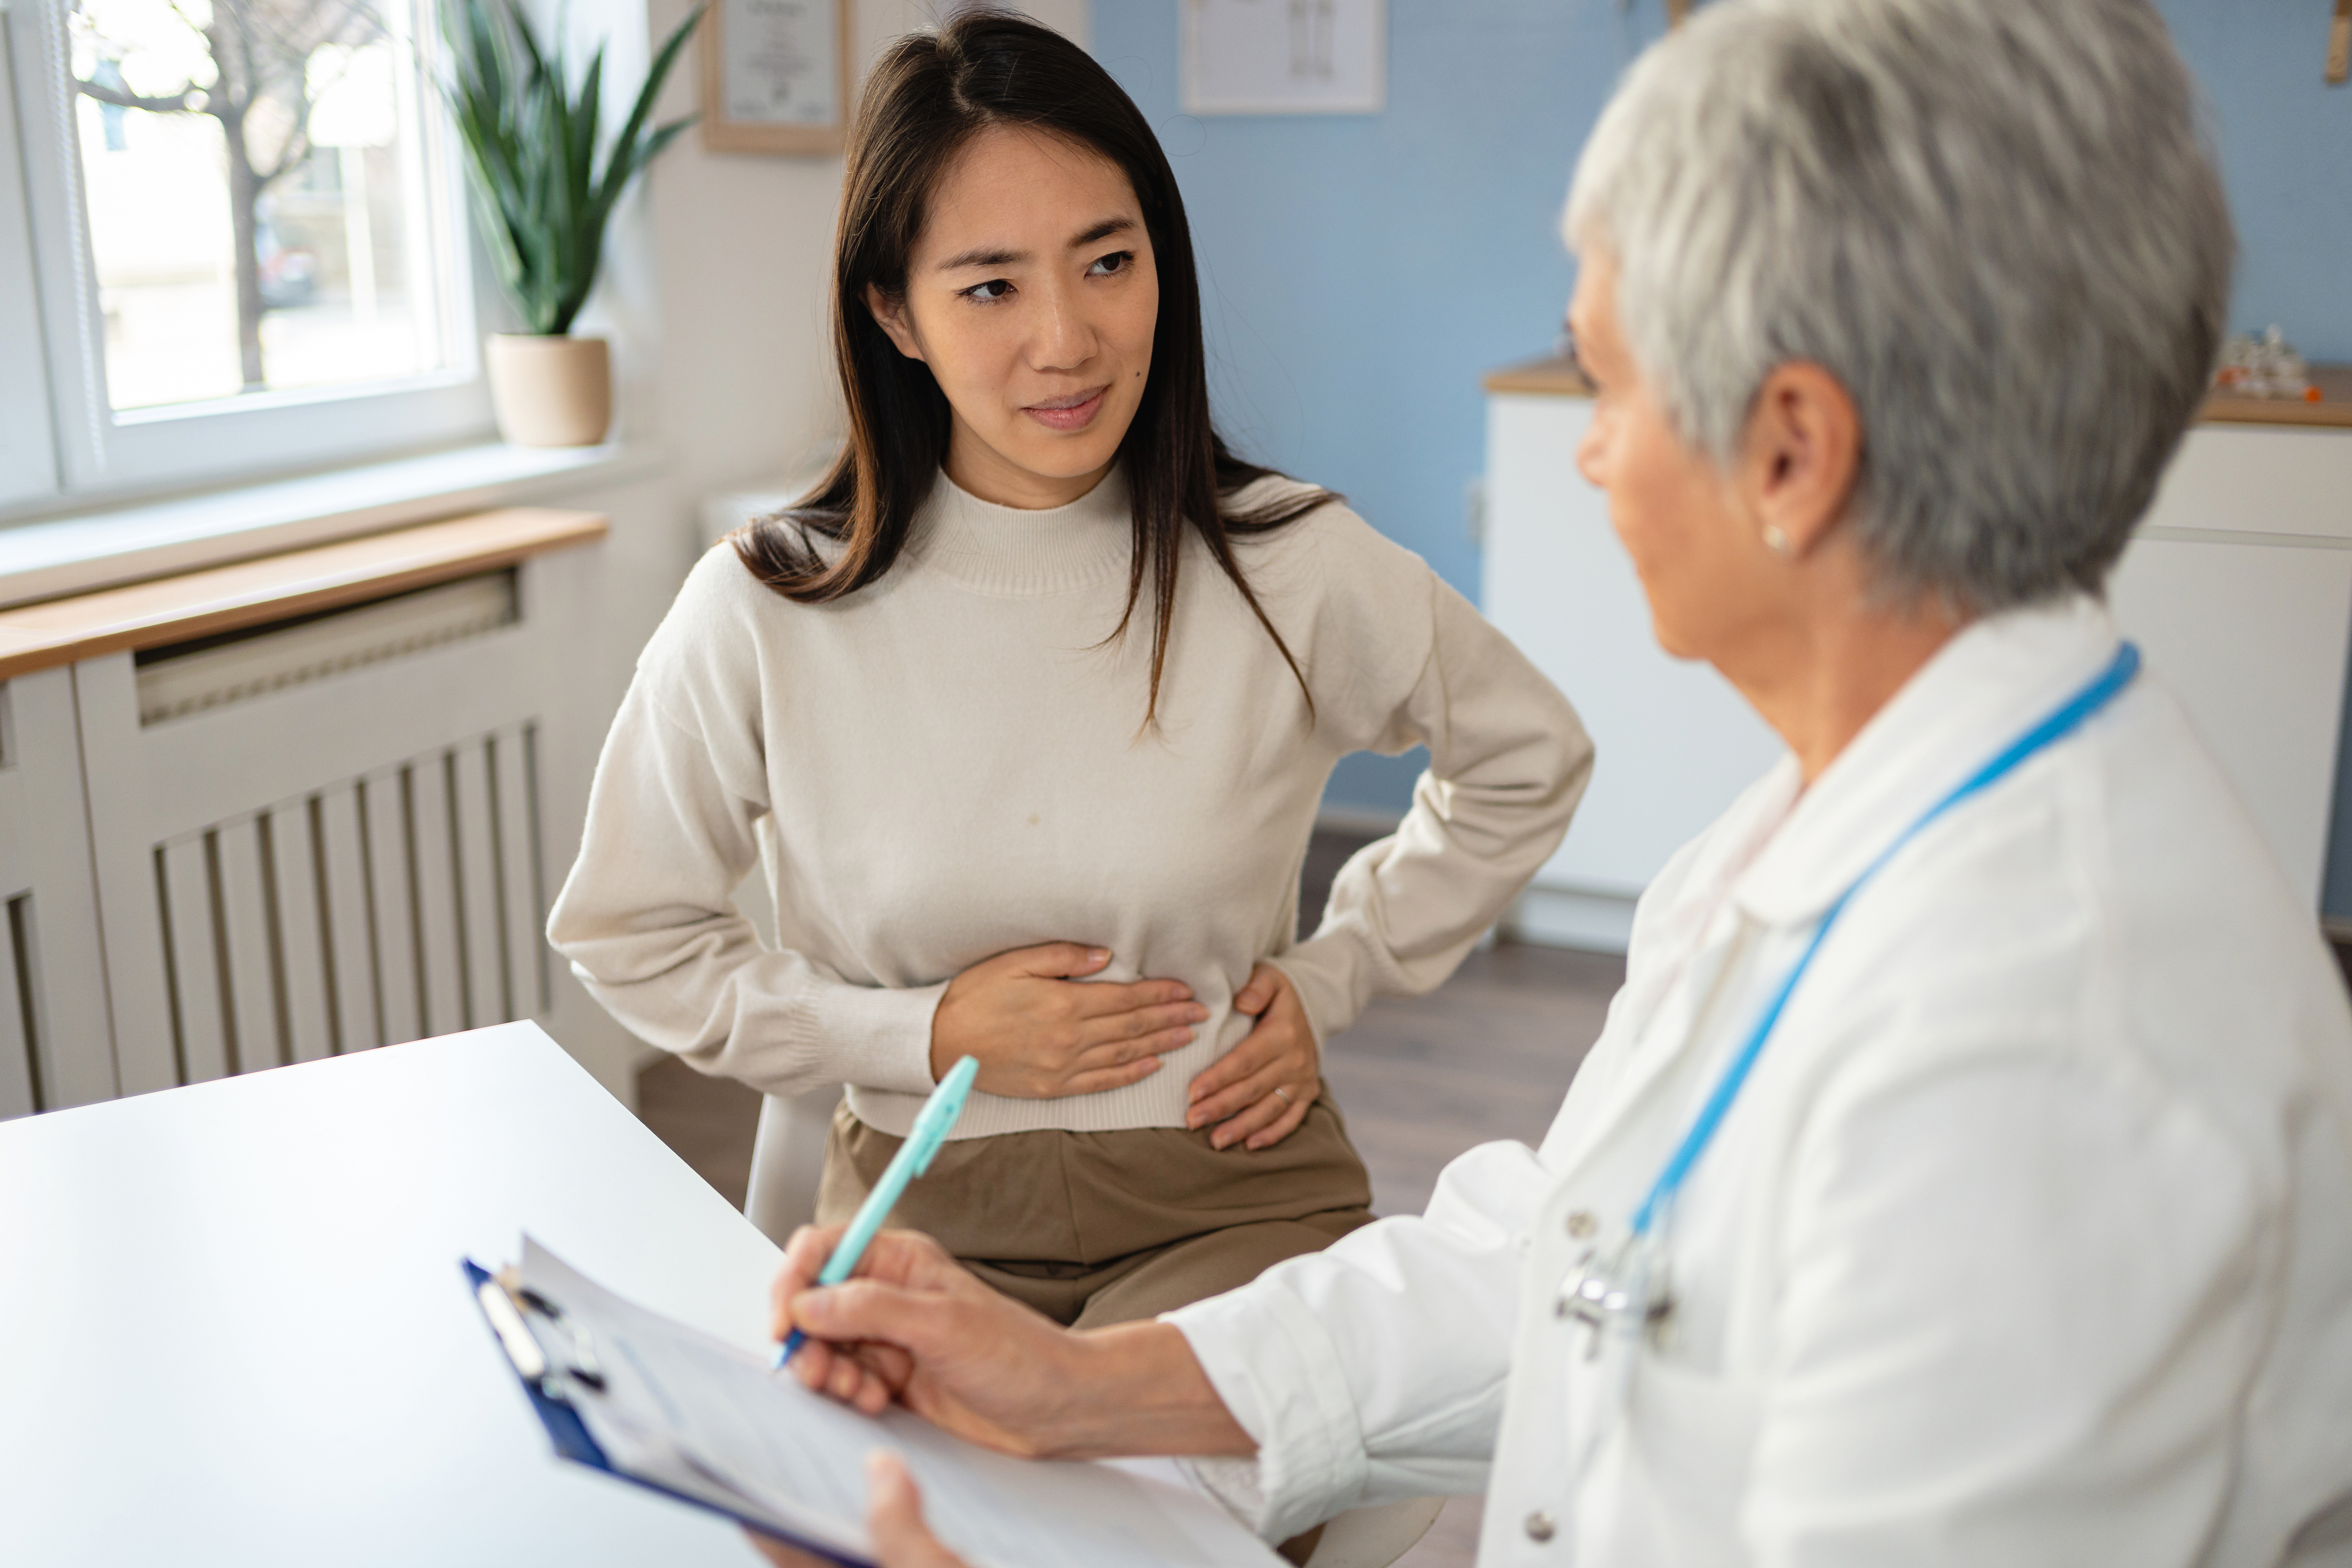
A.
pixel 1038 1034
pixel 1260 1090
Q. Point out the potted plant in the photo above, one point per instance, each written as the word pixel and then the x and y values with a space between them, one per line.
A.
pixel 530 154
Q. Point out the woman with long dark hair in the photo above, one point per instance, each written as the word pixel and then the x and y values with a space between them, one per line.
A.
pixel 1028 711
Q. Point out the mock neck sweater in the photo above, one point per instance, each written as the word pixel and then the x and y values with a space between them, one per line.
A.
pixel 953 762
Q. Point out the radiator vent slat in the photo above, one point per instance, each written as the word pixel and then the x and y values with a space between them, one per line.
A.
pixel 514 821
pixel 476 859
pixel 440 918
pixel 21 1090
pixel 193 958
pixel 353 1020
pixel 288 839
pixel 380 909
pixel 190 677
pixel 399 992
pixel 252 965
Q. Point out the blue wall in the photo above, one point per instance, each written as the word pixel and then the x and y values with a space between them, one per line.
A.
pixel 2286 141
pixel 1359 273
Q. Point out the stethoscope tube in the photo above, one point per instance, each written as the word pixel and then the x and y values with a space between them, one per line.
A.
pixel 1598 1294
pixel 2068 717
pixel 1622 1296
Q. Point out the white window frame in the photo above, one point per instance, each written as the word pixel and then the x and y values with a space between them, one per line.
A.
pixel 94 451
pixel 28 466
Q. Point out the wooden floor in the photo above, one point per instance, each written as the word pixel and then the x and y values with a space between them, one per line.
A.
pixel 1489 1055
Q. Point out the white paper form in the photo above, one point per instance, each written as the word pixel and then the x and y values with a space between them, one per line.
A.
pixel 710 1420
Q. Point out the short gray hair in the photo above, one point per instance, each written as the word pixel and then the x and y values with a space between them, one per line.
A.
pixel 1996 222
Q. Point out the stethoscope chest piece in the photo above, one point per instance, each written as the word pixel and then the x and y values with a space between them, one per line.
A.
pixel 1616 1295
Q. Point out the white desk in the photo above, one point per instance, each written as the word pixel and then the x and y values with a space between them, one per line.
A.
pixel 233 1331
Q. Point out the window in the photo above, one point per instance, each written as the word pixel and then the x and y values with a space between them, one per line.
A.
pixel 237 244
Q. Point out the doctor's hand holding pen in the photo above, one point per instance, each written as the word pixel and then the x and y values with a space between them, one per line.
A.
pixel 914 1326
pixel 1039 1034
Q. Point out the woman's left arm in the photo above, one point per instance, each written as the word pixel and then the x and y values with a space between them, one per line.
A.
pixel 1507 762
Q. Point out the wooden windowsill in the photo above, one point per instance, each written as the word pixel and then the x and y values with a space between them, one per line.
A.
pixel 275 588
pixel 1558 377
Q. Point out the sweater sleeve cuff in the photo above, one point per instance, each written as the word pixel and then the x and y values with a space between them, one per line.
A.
pixel 878 1036
pixel 1333 976
pixel 1279 1374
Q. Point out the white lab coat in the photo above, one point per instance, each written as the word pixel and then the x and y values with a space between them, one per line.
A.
pixel 2028 1241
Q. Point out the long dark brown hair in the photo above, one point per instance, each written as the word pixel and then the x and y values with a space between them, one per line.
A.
pixel 927 97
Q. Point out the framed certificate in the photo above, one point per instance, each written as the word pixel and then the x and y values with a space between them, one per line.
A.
pixel 775 76
pixel 1284 56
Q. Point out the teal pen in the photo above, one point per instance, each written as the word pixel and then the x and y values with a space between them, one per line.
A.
pixel 931 1127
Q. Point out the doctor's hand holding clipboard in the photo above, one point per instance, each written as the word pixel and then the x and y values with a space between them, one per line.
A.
pixel 915 1327
pixel 894 1518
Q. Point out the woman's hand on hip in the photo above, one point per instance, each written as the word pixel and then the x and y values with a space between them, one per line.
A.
pixel 1259 1091
pixel 1038 1034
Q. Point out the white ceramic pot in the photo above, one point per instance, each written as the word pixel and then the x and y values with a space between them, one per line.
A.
pixel 550 392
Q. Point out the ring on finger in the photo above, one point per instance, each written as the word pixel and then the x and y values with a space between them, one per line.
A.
pixel 1279 1089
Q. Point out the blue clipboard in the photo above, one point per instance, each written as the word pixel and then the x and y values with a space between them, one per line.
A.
pixel 570 1434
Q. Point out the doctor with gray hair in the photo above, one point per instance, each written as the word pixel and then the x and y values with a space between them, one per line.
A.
pixel 1964 1174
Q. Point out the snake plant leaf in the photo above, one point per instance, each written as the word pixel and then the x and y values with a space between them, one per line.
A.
pixel 531 155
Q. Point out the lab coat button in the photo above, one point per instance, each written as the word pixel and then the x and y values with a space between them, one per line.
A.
pixel 1581 1224
pixel 1539 1526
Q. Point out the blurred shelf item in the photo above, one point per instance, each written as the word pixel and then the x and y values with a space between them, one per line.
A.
pixel 2334 384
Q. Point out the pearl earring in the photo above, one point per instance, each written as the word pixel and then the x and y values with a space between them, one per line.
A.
pixel 1775 539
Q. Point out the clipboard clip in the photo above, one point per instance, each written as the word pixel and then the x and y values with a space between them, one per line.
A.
pixel 505 1307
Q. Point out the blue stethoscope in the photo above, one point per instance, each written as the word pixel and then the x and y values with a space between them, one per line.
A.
pixel 1619 1296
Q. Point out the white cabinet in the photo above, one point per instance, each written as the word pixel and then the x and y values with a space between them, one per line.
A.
pixel 2238 587
pixel 1674 743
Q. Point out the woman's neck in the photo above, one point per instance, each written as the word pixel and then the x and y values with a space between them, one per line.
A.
pixel 1822 674
pixel 985 473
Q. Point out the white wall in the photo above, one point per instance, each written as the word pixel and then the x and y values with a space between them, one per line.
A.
pixel 715 296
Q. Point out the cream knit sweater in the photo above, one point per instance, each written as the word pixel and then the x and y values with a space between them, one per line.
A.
pixel 952 762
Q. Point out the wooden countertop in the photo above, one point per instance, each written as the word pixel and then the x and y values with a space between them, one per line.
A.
pixel 1558 377
pixel 276 588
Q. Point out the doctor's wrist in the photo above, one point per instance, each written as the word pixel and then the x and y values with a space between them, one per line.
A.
pixel 1137 1388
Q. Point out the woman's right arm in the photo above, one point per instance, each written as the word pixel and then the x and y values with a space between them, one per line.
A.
pixel 649 921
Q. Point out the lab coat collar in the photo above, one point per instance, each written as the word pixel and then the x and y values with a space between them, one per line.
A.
pixel 1986 686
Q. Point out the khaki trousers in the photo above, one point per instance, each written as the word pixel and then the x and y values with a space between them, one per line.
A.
pixel 1093 1228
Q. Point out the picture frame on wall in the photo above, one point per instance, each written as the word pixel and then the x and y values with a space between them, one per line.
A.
pixel 775 77
pixel 1284 56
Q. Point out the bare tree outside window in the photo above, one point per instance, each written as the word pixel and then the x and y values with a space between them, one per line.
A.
pixel 261 88
pixel 272 86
